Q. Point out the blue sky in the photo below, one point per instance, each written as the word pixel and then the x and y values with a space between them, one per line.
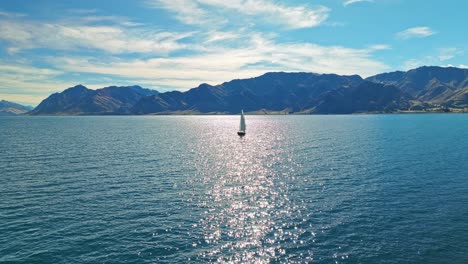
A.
pixel 47 46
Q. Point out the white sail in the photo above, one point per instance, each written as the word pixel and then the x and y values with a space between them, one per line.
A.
pixel 242 122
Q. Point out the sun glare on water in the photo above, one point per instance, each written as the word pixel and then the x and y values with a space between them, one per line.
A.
pixel 246 197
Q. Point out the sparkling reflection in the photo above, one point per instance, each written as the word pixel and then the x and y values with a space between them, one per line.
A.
pixel 247 214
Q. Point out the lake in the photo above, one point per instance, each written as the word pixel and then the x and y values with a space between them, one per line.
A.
pixel 187 189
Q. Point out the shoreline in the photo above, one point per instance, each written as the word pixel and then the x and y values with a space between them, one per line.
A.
pixel 273 113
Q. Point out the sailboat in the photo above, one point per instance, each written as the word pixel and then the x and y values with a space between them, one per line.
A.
pixel 241 131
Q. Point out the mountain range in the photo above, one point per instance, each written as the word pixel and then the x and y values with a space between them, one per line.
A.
pixel 423 89
pixel 79 100
pixel 10 109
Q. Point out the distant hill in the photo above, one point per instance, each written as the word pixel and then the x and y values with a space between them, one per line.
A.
pixel 79 100
pixel 10 108
pixel 436 85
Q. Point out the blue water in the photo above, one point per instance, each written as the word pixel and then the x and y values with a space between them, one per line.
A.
pixel 187 189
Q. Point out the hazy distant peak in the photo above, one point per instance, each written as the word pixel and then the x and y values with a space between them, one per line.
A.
pixel 10 108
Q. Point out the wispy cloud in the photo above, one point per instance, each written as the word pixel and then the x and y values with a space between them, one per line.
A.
pixel 416 32
pixel 187 11
pixel 445 54
pixel 216 36
pixel 27 71
pixel 11 14
pixel 350 2
pixel 380 47
pixel 114 39
pixel 114 20
pixel 202 11
pixel 449 53
pixel 291 16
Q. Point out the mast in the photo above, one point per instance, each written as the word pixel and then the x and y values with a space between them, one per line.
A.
pixel 242 122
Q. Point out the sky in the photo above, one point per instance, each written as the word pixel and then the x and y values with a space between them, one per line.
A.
pixel 47 46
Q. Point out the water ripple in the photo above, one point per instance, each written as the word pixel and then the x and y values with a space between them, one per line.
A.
pixel 174 189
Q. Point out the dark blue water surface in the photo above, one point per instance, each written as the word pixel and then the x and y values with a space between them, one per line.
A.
pixel 187 189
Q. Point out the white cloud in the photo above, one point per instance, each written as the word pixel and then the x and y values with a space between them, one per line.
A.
pixel 416 32
pixel 64 36
pixel 350 2
pixel 448 53
pixel 194 12
pixel 380 47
